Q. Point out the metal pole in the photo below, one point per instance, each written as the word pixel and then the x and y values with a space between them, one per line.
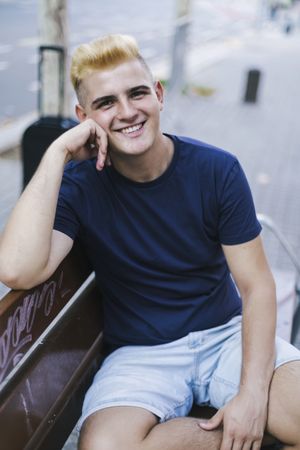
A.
pixel 177 78
pixel 53 32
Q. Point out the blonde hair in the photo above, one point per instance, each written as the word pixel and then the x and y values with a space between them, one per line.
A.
pixel 103 53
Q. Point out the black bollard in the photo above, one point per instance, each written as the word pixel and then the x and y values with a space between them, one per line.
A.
pixel 288 28
pixel 253 78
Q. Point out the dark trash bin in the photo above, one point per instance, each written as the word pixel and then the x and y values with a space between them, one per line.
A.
pixel 252 85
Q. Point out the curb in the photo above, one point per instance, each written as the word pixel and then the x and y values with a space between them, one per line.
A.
pixel 11 134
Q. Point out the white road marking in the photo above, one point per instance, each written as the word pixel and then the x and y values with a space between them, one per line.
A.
pixel 32 41
pixel 34 86
pixel 5 48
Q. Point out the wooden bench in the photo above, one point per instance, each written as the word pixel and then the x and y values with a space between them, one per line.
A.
pixel 50 347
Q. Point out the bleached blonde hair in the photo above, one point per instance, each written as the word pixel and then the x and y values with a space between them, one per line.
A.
pixel 103 53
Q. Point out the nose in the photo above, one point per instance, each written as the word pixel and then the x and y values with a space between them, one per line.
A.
pixel 126 110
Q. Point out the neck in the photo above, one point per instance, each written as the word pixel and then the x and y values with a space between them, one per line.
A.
pixel 147 166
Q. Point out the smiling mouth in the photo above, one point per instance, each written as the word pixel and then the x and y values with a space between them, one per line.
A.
pixel 132 129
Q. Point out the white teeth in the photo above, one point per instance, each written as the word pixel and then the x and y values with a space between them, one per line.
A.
pixel 132 129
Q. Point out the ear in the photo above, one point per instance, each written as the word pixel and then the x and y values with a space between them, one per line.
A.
pixel 159 90
pixel 80 112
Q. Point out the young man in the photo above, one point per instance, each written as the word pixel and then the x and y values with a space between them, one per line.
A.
pixel 164 223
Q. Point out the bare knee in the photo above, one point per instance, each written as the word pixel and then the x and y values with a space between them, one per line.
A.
pixel 116 428
pixel 284 406
pixel 91 440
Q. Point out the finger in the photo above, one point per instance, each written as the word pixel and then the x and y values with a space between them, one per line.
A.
pixel 247 445
pixel 257 445
pixel 214 422
pixel 91 146
pixel 108 160
pixel 239 445
pixel 102 151
pixel 92 149
pixel 101 158
pixel 227 442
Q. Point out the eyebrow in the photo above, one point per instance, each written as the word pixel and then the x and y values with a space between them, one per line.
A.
pixel 141 86
pixel 106 98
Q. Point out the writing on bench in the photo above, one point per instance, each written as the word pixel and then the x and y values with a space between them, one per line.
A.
pixel 50 348
pixel 28 320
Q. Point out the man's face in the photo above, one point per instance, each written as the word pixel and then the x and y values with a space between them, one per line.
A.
pixel 126 104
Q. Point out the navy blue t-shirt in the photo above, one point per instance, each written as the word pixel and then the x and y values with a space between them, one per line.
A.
pixel 156 246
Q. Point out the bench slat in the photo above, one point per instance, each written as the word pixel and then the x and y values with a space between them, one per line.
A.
pixel 24 315
pixel 41 398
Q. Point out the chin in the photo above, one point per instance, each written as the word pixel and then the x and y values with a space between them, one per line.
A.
pixel 131 148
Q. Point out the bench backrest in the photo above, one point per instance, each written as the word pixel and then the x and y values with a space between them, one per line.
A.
pixel 50 347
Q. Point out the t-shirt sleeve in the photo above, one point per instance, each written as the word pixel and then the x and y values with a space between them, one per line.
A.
pixel 66 219
pixel 237 217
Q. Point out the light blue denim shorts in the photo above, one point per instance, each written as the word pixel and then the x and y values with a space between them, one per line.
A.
pixel 203 367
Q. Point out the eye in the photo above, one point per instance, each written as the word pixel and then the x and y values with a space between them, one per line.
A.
pixel 105 104
pixel 139 94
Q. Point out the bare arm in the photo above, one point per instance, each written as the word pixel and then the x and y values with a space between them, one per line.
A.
pixel 30 250
pixel 255 282
pixel 244 418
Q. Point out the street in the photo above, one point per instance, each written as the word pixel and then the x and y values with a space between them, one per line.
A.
pixel 152 23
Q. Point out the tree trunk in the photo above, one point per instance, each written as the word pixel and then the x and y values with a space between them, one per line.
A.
pixel 177 78
pixel 53 32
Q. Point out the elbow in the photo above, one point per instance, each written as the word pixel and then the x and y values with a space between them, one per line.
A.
pixel 19 284
pixel 262 287
pixel 15 280
pixel 22 276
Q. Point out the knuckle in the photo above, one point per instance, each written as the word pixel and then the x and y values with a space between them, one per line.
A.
pixel 232 431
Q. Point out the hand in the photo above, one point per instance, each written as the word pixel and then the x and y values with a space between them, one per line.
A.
pixel 244 420
pixel 85 141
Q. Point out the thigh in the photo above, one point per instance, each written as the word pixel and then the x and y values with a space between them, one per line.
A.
pixel 153 378
pixel 116 428
pixel 214 345
pixel 225 380
pixel 284 403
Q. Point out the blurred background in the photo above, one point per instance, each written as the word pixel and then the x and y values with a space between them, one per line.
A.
pixel 152 22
